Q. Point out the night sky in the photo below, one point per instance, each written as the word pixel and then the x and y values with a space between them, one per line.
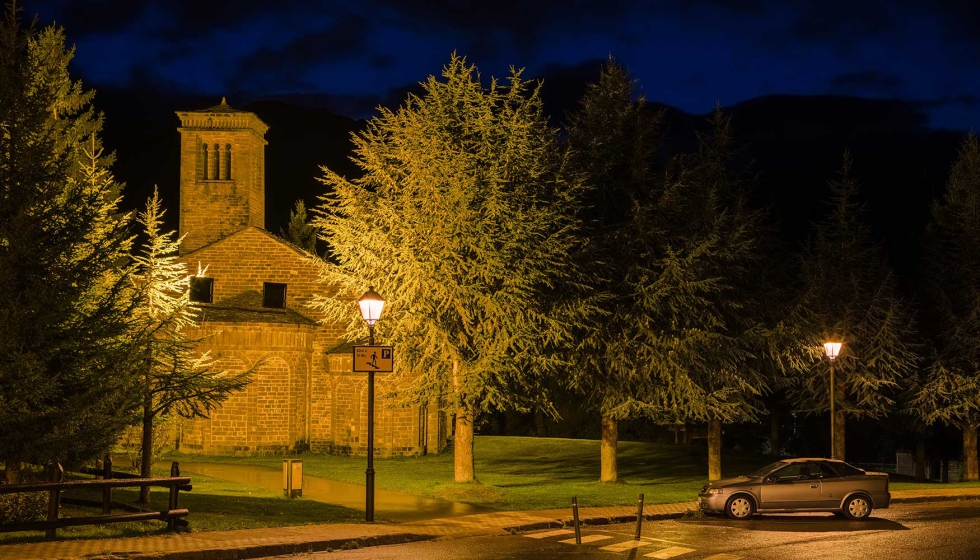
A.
pixel 352 56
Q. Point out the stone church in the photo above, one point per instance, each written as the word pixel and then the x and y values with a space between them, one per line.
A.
pixel 253 299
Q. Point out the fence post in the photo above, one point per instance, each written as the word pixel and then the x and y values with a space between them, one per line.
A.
pixel 107 492
pixel 55 474
pixel 639 518
pixel 172 503
pixel 578 531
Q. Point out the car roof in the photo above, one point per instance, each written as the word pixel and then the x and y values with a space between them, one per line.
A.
pixel 805 459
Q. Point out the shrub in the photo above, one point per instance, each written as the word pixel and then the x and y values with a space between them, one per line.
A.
pixel 23 507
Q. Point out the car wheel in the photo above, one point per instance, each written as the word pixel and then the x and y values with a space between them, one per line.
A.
pixel 739 507
pixel 857 507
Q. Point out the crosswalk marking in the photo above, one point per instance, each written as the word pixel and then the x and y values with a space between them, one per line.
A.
pixel 587 539
pixel 624 546
pixel 554 533
pixel 669 552
pixel 723 557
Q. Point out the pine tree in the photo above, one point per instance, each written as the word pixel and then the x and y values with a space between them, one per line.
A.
pixel 300 232
pixel 65 386
pixel 175 376
pixel 462 220
pixel 949 391
pixel 849 294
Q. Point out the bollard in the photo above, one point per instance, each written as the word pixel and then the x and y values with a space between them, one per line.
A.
pixel 639 518
pixel 578 530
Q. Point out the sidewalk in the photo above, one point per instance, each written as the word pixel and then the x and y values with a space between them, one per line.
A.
pixel 257 543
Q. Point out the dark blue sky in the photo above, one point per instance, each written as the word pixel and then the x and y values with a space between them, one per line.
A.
pixel 689 53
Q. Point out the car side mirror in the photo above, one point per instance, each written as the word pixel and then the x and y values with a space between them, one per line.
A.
pixel 772 478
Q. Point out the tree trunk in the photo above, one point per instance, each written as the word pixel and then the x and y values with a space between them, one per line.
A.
pixel 11 471
pixel 970 467
pixel 609 471
pixel 775 434
pixel 146 447
pixel 839 435
pixel 463 445
pixel 714 450
pixel 920 458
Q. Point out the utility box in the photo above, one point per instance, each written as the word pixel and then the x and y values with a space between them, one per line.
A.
pixel 292 478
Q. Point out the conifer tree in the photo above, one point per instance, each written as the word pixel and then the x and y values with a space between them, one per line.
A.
pixel 949 391
pixel 849 294
pixel 175 377
pixel 300 232
pixel 65 383
pixel 462 220
pixel 667 258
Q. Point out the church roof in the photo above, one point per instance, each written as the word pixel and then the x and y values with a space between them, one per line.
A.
pixel 222 107
pixel 295 248
pixel 246 307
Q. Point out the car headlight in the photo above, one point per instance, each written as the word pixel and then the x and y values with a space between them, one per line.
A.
pixel 711 491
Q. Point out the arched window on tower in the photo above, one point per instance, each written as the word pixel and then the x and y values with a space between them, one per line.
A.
pixel 206 162
pixel 227 156
pixel 214 165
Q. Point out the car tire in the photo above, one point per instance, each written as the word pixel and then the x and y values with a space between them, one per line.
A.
pixel 857 507
pixel 739 507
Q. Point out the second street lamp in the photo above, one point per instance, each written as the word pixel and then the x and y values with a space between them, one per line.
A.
pixel 832 349
pixel 371 305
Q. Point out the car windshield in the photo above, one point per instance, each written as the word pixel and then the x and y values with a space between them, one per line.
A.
pixel 766 469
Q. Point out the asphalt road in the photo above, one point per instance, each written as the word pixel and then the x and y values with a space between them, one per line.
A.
pixel 943 530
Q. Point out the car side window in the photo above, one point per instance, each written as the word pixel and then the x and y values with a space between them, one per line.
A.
pixel 822 471
pixel 796 471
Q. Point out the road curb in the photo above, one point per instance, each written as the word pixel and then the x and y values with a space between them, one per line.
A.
pixel 925 499
pixel 594 520
pixel 264 550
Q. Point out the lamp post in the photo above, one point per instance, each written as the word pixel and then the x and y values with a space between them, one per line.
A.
pixel 371 305
pixel 832 350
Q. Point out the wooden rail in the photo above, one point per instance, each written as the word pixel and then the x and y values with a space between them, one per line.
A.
pixel 172 515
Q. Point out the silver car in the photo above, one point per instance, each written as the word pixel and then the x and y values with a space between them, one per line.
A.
pixel 794 485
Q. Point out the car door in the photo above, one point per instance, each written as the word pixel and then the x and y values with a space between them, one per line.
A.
pixel 790 488
pixel 833 487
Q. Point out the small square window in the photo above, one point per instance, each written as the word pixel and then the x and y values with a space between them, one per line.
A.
pixel 274 295
pixel 202 289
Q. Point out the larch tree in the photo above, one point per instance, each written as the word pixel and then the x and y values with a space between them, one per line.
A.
pixel 65 357
pixel 746 350
pixel 175 376
pixel 949 390
pixel 850 295
pixel 462 220
pixel 614 139
pixel 300 232
pixel 666 252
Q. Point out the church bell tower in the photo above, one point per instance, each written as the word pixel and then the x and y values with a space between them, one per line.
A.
pixel 222 174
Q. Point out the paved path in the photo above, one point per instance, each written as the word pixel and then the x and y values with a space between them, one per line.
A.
pixel 255 543
pixel 388 504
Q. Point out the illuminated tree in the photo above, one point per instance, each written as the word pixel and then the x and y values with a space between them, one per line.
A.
pixel 849 294
pixel 174 375
pixel 65 387
pixel 462 220
pixel 300 232
pixel 949 391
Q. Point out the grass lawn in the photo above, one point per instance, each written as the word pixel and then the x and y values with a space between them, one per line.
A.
pixel 521 473
pixel 215 505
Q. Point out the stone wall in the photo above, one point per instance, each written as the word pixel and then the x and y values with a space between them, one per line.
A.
pixel 271 415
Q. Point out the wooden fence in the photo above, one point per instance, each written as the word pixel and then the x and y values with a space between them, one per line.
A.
pixel 172 515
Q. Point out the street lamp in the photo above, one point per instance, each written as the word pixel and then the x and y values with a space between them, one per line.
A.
pixel 832 350
pixel 371 305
